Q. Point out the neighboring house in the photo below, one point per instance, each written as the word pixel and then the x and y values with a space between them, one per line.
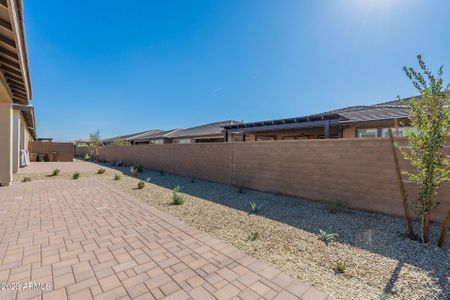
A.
pixel 208 133
pixel 17 122
pixel 46 140
pixel 81 143
pixel 112 140
pixel 355 121
pixel 156 136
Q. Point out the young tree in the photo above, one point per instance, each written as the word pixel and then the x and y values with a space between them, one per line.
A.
pixel 430 118
pixel 94 143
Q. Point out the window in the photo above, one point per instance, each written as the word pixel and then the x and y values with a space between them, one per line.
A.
pixel 264 138
pixel 156 142
pixel 367 133
pixel 299 137
pixel 182 141
pixel 401 131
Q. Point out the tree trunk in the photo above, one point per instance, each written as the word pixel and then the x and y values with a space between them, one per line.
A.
pixel 426 227
pixel 444 231
pixel 403 193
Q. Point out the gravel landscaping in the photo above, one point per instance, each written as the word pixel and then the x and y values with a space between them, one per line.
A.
pixel 370 259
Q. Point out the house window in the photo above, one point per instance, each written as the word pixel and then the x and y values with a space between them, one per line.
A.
pixel 264 138
pixel 367 133
pixel 299 137
pixel 156 142
pixel 182 141
pixel 401 131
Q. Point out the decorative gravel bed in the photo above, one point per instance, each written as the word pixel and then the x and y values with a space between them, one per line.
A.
pixel 380 262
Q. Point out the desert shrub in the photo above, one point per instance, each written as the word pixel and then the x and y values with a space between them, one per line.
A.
pixel 101 171
pixel 141 184
pixel 177 196
pixel 253 236
pixel 117 177
pixel 335 206
pixel 133 170
pixel 76 175
pixel 255 207
pixel 327 236
pixel 340 267
pixel 26 179
pixel 55 172
pixel 87 157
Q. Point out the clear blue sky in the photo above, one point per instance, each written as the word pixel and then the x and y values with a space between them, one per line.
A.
pixel 124 67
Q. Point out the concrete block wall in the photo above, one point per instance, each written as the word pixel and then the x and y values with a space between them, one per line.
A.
pixel 358 172
pixel 82 151
pixel 64 151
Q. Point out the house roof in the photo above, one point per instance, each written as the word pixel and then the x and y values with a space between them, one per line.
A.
pixel 361 113
pixel 153 134
pixel 210 129
pixel 121 137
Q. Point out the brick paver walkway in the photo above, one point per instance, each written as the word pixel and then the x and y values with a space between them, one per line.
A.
pixel 90 240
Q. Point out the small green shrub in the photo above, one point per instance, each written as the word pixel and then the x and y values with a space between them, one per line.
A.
pixel 177 196
pixel 133 170
pixel 76 175
pixel 141 184
pixel 335 206
pixel 55 172
pixel 255 208
pixel 117 177
pixel 254 236
pixel 87 157
pixel 26 179
pixel 340 267
pixel 101 171
pixel 327 236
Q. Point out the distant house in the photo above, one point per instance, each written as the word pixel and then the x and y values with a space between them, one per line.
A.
pixel 349 122
pixel 208 133
pixel 112 140
pixel 156 136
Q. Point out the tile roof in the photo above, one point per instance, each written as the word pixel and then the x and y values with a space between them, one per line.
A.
pixel 215 128
pixel 389 110
pixel 120 137
pixel 153 134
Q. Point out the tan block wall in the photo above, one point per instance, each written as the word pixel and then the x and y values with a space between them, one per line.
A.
pixel 64 151
pixel 82 151
pixel 358 172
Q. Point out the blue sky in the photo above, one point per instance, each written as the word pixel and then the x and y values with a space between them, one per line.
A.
pixel 125 67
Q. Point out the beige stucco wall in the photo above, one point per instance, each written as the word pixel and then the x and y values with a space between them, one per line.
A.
pixel 349 132
pixel 6 117
pixel 16 139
